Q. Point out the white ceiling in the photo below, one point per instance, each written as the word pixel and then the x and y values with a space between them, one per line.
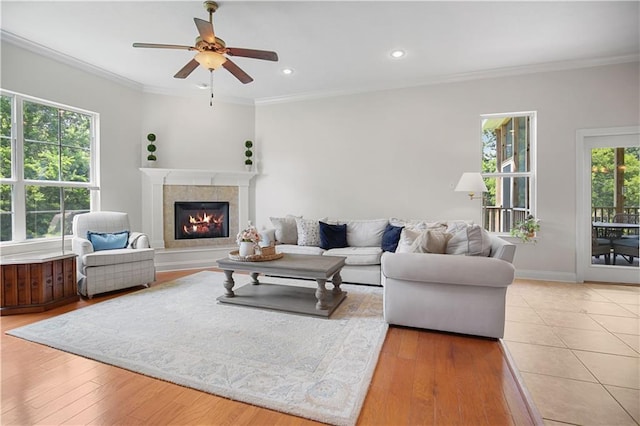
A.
pixel 333 47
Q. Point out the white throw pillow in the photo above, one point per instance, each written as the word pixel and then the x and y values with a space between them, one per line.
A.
pixel 431 241
pixel 472 240
pixel 407 238
pixel 286 229
pixel 365 233
pixel 308 232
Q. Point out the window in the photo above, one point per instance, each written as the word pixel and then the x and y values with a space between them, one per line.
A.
pixel 508 168
pixel 47 158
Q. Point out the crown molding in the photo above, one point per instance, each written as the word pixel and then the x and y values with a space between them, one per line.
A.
pixel 455 78
pixel 474 75
pixel 41 50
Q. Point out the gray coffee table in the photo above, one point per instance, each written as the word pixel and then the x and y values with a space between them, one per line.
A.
pixel 304 300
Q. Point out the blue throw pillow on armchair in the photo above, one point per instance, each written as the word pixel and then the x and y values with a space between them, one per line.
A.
pixel 108 240
pixel 390 238
pixel 333 236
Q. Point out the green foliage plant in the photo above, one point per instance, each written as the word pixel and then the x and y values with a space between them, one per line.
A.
pixel 526 230
pixel 151 147
pixel 248 153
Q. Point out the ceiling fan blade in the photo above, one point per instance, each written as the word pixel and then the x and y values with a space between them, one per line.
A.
pixel 187 69
pixel 205 28
pixel 237 72
pixel 252 53
pixel 163 46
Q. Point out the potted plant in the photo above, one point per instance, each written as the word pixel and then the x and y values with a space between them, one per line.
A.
pixel 248 240
pixel 248 162
pixel 526 229
pixel 151 148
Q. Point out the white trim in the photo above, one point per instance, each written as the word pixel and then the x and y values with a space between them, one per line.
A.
pixel 454 78
pixel 528 274
pixel 320 94
pixel 583 179
pixel 41 50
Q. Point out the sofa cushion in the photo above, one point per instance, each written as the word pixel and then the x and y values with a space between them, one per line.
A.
pixel 472 240
pixel 117 256
pixel 357 255
pixel 296 249
pixel 286 229
pixel 108 240
pixel 391 237
pixel 332 236
pixel 365 233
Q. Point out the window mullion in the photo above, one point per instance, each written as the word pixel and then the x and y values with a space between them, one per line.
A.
pixel 19 202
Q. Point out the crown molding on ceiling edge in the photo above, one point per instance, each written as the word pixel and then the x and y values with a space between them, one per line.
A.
pixel 92 69
pixel 454 78
pixel 67 60
pixel 475 75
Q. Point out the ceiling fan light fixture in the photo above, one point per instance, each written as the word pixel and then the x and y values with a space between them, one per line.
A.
pixel 210 60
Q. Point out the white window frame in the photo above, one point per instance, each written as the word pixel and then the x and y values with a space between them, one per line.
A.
pixel 17 180
pixel 531 174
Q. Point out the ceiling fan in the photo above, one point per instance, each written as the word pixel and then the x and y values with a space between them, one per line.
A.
pixel 212 50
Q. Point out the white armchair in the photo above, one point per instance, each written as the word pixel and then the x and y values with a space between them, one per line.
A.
pixel 100 271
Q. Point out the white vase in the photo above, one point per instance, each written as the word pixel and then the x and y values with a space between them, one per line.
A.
pixel 151 163
pixel 246 249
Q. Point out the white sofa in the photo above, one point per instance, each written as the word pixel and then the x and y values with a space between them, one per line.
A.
pixel 364 238
pixel 100 271
pixel 427 282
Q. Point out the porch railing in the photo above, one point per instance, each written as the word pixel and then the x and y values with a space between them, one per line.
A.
pixel 500 219
pixel 606 214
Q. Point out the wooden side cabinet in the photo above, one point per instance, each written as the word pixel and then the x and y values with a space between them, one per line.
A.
pixel 37 283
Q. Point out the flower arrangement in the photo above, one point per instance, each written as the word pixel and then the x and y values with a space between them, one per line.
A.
pixel 249 235
pixel 526 229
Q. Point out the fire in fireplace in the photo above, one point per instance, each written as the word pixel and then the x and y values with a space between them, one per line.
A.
pixel 201 219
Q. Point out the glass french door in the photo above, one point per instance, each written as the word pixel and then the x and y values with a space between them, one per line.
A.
pixel 608 205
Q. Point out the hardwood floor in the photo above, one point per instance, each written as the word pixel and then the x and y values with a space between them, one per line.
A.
pixel 421 378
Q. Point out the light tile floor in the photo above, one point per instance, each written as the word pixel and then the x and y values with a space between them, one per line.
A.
pixel 577 348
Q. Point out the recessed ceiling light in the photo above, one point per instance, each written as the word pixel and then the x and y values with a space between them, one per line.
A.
pixel 202 86
pixel 397 53
pixel 287 71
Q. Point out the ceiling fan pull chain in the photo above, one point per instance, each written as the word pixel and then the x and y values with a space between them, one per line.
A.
pixel 211 87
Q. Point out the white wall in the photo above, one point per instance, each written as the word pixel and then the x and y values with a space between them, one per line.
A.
pixel 193 135
pixel 399 153
pixel 120 113
pixel 190 133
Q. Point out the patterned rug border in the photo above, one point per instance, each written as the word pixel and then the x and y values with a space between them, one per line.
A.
pixel 25 333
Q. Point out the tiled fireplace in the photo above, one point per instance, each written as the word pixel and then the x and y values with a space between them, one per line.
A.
pixel 212 194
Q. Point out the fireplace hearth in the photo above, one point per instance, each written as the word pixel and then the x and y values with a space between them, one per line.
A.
pixel 201 219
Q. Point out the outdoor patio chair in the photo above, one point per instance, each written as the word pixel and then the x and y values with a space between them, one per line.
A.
pixel 600 247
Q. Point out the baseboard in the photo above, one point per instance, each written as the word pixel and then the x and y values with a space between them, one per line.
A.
pixel 546 275
pixel 189 258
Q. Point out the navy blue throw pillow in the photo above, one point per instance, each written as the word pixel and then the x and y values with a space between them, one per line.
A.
pixel 390 238
pixel 333 236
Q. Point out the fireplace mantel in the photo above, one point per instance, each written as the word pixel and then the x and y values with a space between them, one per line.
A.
pixel 154 179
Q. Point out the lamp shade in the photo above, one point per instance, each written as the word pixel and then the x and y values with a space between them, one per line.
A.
pixel 471 182
pixel 210 60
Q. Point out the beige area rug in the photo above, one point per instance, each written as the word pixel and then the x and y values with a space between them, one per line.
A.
pixel 311 367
